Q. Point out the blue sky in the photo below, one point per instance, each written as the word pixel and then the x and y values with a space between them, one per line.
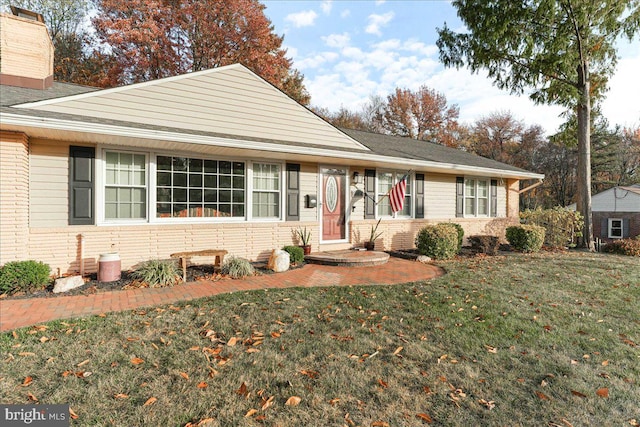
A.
pixel 348 50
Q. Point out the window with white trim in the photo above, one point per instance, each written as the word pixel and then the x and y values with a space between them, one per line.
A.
pixel 615 228
pixel 125 195
pixel 266 193
pixel 197 188
pixel 476 197
pixel 385 181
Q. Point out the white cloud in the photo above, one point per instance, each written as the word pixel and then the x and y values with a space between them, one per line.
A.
pixel 326 6
pixel 316 61
pixel 379 2
pixel 337 40
pixel 345 13
pixel 378 21
pixel 302 19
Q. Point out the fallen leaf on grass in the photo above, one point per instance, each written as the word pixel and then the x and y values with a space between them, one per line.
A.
pixel 398 350
pixel 334 401
pixel 266 403
pixel 603 392
pixel 542 396
pixel 489 404
pixel 577 393
pixel 293 401
pixel 383 384
pixel 150 401
pixel 242 391
pixel 26 353
pixel 121 396
pixel 250 413
pixel 137 361
pixel 491 349
pixel 202 385
pixel 84 362
pixel 73 414
pixel 184 375
pixel 27 381
pixel 311 374
pixel 379 424
pixel 32 397
pixel 424 417
pixel 633 422
pixel 232 341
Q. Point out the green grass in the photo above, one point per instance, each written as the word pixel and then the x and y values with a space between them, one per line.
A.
pixel 535 335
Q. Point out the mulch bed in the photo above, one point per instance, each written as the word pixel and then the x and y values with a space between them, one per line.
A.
pixel 195 273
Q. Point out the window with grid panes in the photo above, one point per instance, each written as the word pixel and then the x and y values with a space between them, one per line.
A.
pixel 125 186
pixel 476 197
pixel 196 188
pixel 266 190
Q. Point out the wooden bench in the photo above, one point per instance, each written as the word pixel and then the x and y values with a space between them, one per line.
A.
pixel 184 258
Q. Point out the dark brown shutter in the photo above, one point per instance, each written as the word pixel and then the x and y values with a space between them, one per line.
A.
pixel 493 198
pixel 293 192
pixel 370 193
pixel 419 195
pixel 81 185
pixel 459 196
pixel 625 227
pixel 604 228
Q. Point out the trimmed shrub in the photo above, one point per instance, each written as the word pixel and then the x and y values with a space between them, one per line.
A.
pixel 485 244
pixel 157 273
pixel 460 231
pixel 296 254
pixel 439 241
pixel 237 268
pixel 629 247
pixel 27 276
pixel 526 238
pixel 562 226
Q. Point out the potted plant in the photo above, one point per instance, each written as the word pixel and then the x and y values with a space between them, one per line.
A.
pixel 371 243
pixel 305 239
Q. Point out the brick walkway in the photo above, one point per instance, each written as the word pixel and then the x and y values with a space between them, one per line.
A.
pixel 19 313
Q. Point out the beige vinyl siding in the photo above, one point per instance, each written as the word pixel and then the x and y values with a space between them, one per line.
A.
pixel 33 59
pixel 308 185
pixel 14 196
pixel 440 196
pixel 49 183
pixel 228 100
pixel 60 247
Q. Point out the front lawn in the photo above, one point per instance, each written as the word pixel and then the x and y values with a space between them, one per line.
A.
pixel 531 340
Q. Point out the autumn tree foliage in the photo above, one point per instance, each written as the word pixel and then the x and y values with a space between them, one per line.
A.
pixel 422 114
pixel 151 39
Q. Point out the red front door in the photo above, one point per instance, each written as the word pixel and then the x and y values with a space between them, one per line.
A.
pixel 333 212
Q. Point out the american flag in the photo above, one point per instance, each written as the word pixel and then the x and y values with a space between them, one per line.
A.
pixel 396 195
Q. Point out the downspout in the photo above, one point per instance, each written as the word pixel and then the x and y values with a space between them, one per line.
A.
pixel 81 255
pixel 531 187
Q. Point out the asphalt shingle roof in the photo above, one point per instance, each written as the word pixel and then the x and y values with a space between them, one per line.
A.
pixel 384 145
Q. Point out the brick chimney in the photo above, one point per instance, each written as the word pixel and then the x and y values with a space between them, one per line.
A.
pixel 26 50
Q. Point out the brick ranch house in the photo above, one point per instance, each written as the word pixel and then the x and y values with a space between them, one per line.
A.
pixel 616 213
pixel 217 159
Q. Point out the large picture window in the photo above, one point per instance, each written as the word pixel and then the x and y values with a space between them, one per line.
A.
pixel 476 197
pixel 125 186
pixel 266 190
pixel 196 188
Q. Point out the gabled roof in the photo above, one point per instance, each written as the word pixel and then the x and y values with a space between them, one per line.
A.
pixel 175 114
pixel 228 100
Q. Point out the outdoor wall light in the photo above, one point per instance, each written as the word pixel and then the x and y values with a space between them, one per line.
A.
pixel 357 178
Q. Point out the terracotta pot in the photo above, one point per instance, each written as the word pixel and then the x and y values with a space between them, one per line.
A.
pixel 370 246
pixel 306 249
